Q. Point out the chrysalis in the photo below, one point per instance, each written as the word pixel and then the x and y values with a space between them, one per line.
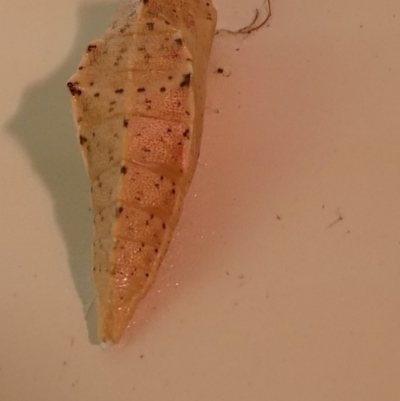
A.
pixel 138 99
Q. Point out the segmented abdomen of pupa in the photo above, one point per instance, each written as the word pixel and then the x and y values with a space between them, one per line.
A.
pixel 138 98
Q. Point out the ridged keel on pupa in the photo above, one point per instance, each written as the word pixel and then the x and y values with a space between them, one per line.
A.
pixel 138 98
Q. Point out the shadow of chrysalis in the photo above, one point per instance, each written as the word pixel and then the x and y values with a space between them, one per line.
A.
pixel 44 127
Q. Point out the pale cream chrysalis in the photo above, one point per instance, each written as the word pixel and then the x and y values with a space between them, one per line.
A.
pixel 138 98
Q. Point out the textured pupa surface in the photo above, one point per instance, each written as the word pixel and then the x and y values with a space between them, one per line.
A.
pixel 138 98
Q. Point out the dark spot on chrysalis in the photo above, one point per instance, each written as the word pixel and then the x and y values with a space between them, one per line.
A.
pixel 162 89
pixel 90 48
pixel 92 83
pixel 74 91
pixel 118 211
pixel 169 130
pixel 186 134
pixel 80 68
pixel 124 170
pixel 141 89
pixel 126 122
pixel 145 1
pixel 167 22
pixel 186 80
pixel 170 77
pixel 97 94
pixel 152 216
pixel 179 41
pixel 156 250
pixel 164 226
pixel 220 70
pixel 147 274
pixel 162 178
pixel 173 191
pixel 119 91
pixel 150 26
pixel 82 140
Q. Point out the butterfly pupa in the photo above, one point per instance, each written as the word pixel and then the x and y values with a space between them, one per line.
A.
pixel 138 101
